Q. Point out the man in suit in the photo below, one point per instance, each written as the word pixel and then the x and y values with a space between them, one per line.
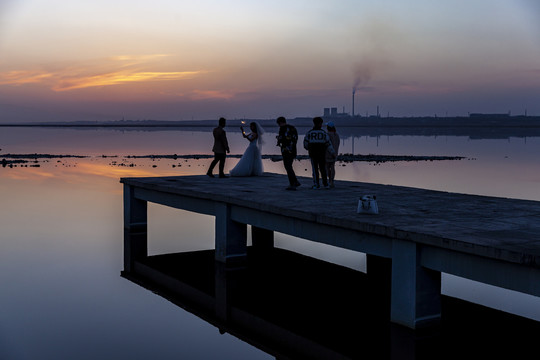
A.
pixel 221 147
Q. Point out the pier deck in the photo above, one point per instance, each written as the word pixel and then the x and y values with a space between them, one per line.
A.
pixel 417 235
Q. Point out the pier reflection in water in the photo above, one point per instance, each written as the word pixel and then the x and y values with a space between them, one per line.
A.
pixel 294 306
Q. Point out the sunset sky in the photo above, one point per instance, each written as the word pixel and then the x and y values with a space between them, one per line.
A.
pixel 183 60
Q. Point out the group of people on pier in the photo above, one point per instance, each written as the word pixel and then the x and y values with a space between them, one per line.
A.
pixel 322 147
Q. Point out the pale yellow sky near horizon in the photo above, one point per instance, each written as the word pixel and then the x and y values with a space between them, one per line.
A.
pixel 177 60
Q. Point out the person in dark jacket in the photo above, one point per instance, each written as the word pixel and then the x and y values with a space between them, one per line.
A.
pixel 317 143
pixel 286 140
pixel 221 147
pixel 332 157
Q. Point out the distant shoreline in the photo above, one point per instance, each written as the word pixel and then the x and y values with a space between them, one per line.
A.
pixel 472 121
pixel 474 127
pixel 13 159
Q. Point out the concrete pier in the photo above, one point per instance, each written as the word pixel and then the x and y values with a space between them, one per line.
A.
pixel 417 235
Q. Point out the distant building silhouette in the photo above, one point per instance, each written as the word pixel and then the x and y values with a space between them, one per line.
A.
pixel 491 116
pixel 333 113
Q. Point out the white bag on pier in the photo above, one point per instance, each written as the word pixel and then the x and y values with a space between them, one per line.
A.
pixel 368 205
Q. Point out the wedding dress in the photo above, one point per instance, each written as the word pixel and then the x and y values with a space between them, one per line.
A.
pixel 251 163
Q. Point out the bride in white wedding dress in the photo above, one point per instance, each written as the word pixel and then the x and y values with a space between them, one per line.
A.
pixel 251 163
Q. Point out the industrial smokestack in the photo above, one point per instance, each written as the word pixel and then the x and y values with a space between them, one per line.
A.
pixel 353 91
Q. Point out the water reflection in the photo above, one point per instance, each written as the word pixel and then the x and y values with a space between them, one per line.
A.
pixel 296 307
pixel 61 244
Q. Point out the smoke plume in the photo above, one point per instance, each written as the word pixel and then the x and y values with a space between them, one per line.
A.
pixel 363 71
pixel 376 37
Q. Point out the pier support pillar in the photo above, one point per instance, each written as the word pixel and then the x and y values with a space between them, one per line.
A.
pixel 262 239
pixel 135 228
pixel 416 291
pixel 231 237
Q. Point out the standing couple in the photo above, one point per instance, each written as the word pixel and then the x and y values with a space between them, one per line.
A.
pixel 251 162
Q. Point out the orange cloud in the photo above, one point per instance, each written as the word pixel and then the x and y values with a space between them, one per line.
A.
pixel 122 77
pixel 105 72
pixel 21 77
pixel 129 60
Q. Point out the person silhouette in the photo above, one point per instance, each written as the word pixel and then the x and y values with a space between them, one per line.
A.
pixel 317 143
pixel 286 140
pixel 331 157
pixel 251 162
pixel 220 149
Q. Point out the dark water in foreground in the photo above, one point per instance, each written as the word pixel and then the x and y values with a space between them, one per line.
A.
pixel 297 307
pixel 61 256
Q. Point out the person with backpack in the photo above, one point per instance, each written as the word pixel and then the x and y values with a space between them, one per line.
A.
pixel 317 143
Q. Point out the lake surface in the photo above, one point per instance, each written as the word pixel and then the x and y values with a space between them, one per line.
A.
pixel 61 233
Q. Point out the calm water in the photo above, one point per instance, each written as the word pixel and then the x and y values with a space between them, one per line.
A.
pixel 61 234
